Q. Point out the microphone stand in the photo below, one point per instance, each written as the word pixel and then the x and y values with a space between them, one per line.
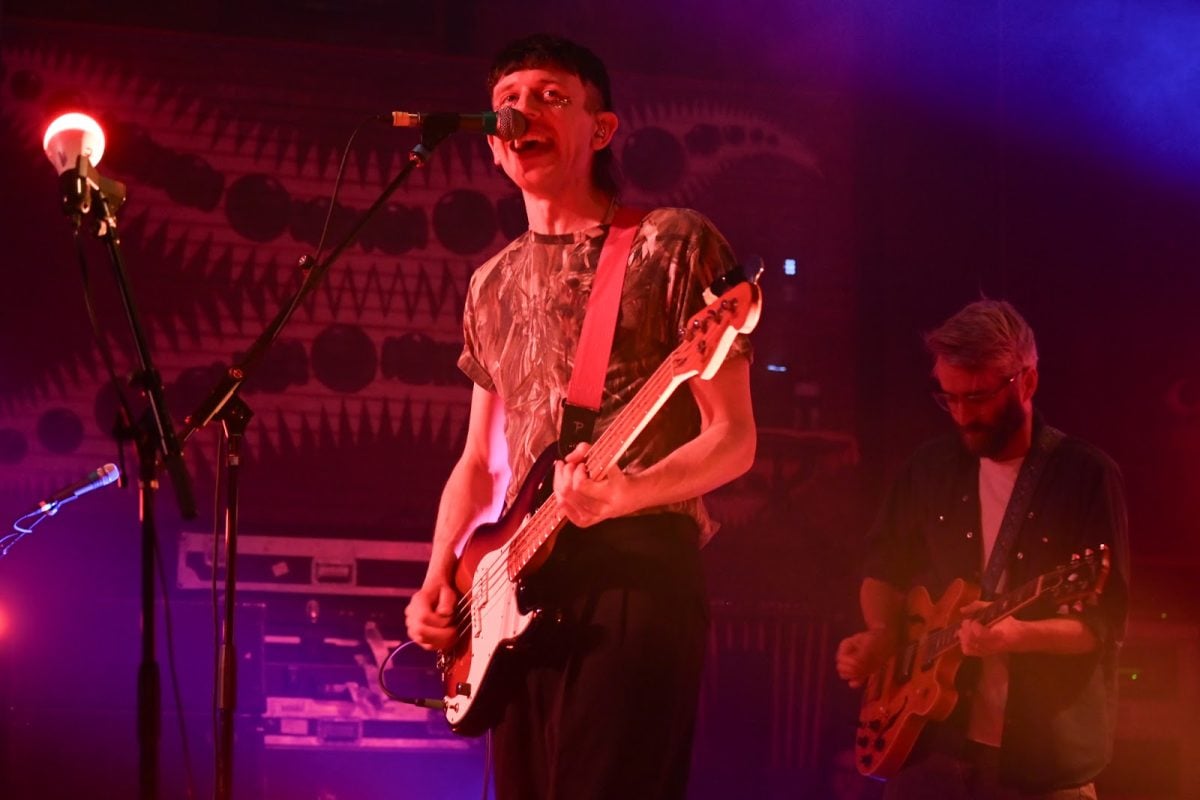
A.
pixel 154 436
pixel 225 404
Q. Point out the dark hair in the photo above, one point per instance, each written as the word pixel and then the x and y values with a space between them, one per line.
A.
pixel 541 50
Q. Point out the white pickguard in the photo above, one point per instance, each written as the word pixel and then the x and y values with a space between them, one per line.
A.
pixel 495 619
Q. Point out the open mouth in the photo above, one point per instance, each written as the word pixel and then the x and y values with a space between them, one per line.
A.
pixel 529 144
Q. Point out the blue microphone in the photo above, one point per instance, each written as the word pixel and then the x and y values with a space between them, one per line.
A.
pixel 95 479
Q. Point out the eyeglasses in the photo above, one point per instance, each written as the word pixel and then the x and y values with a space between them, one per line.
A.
pixel 948 399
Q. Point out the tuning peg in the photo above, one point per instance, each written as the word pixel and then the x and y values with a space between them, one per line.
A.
pixel 754 267
pixel 1075 558
pixel 1089 552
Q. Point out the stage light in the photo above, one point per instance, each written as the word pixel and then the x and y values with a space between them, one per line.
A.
pixel 789 267
pixel 70 136
pixel 4 625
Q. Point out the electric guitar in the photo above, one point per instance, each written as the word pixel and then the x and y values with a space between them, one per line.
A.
pixel 917 683
pixel 492 614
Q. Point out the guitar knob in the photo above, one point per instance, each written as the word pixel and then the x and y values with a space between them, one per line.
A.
pixel 874 725
pixel 862 741
pixel 880 744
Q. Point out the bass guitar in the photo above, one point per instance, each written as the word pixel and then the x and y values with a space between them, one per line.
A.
pixel 492 613
pixel 916 685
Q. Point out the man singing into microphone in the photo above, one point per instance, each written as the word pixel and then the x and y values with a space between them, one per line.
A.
pixel 603 705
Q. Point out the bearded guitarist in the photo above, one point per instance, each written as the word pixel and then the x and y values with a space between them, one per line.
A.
pixel 1005 499
pixel 603 701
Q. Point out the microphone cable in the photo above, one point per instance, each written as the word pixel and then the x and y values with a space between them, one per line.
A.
pixel 307 263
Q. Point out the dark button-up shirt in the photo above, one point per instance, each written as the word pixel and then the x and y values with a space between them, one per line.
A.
pixel 1061 711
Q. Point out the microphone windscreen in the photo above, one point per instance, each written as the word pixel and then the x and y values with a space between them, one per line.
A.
pixel 510 123
pixel 108 474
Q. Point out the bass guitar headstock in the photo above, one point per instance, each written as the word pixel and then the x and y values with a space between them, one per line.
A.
pixel 734 306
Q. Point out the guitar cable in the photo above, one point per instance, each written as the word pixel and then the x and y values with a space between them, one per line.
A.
pixel 434 704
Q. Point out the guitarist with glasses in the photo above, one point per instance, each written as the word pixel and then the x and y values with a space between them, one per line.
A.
pixel 600 701
pixel 1030 711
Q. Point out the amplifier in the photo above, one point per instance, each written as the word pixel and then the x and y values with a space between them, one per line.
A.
pixel 1157 752
pixel 310 565
pixel 301 722
pixel 323 693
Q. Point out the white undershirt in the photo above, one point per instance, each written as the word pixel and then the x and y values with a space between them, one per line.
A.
pixel 996 481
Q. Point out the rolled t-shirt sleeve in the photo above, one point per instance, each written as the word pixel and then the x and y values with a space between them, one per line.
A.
pixel 469 360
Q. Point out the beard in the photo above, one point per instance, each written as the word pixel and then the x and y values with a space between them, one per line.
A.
pixel 989 439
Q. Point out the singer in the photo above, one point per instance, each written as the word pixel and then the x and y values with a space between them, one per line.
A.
pixel 604 700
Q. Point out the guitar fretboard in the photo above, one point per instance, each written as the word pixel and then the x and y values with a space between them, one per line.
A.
pixel 611 445
pixel 943 640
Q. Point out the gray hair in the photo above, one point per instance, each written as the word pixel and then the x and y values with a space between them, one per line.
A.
pixel 985 333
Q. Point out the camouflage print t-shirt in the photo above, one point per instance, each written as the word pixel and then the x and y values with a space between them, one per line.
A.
pixel 523 317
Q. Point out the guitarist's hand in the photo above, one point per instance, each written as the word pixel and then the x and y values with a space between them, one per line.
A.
pixel 583 500
pixel 980 640
pixel 429 616
pixel 861 655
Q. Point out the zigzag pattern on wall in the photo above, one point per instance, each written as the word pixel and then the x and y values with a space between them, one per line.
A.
pixel 226 192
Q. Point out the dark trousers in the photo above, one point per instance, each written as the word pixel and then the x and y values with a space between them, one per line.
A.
pixel 936 775
pixel 603 702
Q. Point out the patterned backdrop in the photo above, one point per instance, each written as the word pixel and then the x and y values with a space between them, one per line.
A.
pixel 230 149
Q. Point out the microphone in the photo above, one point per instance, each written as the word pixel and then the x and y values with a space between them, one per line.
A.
pixel 506 124
pixel 95 479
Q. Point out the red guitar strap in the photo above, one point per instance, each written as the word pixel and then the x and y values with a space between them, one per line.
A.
pixel 582 404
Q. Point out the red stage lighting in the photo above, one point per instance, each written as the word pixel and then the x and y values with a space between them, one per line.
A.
pixel 70 136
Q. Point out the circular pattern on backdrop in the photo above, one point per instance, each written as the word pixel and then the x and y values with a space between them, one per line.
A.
pixel 396 230
pixel 258 207
pixel 511 212
pixel 464 221
pixel 344 358
pixel 653 159
pixel 60 430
